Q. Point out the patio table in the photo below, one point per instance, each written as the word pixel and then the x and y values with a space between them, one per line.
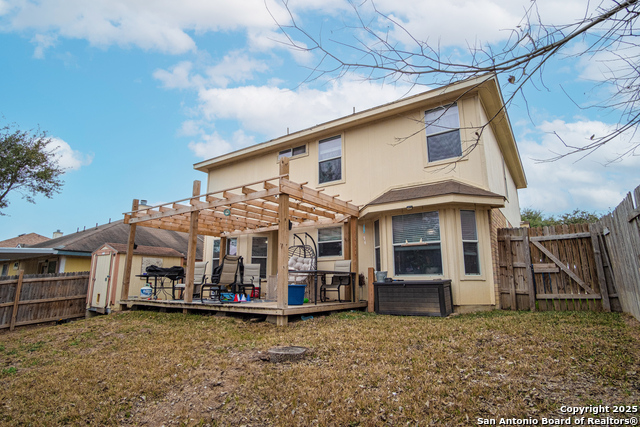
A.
pixel 161 288
pixel 323 274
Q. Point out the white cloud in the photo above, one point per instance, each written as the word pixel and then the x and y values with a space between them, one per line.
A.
pixel 69 158
pixel 592 183
pixel 234 67
pixel 159 25
pixel 42 42
pixel 179 76
pixel 269 110
pixel 214 145
pixel 463 22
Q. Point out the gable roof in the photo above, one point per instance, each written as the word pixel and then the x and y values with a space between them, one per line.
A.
pixel 485 86
pixel 23 240
pixel 89 240
pixel 432 190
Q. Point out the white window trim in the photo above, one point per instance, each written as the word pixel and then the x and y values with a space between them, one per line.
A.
pixel 393 251
pixel 425 147
pixel 328 257
pixel 297 156
pixel 379 247
pixel 265 257
pixel 342 162
pixel 476 241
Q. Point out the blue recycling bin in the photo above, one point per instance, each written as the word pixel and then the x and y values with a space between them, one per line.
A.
pixel 296 294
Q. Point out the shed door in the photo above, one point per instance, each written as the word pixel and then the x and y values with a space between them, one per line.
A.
pixel 101 281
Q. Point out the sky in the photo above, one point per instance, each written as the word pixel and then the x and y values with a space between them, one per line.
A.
pixel 134 92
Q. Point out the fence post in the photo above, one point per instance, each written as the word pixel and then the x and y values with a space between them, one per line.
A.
pixel 510 278
pixel 604 292
pixel 16 301
pixel 527 257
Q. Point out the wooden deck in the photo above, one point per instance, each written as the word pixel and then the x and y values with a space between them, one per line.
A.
pixel 267 308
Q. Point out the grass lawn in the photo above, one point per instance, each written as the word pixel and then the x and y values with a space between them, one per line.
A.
pixel 148 368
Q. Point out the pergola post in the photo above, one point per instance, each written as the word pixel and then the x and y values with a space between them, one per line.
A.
pixel 353 240
pixel 128 262
pixel 193 244
pixel 283 246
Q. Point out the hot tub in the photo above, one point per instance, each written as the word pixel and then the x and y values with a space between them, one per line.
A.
pixel 414 297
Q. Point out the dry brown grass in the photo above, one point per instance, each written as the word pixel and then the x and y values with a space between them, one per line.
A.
pixel 147 368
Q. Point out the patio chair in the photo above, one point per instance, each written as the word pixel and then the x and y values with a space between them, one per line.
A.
pixel 342 277
pixel 251 279
pixel 227 276
pixel 199 279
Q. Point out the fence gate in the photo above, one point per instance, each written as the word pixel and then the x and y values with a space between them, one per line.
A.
pixel 555 268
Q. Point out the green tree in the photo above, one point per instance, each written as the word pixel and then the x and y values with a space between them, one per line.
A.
pixel 536 218
pixel 578 216
pixel 28 165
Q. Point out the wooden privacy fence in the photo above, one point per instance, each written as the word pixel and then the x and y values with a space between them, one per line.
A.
pixel 566 267
pixel 621 231
pixel 39 298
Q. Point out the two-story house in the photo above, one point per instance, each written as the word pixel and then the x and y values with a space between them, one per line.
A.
pixel 434 176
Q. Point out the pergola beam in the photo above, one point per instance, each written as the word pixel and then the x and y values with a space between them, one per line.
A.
pixel 188 209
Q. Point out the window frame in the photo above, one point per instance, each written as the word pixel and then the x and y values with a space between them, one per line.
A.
pixel 418 244
pixel 291 150
pixel 228 249
pixel 444 108
pixel 377 252
pixel 341 241
pixel 476 241
pixel 341 157
pixel 265 257
pixel 215 261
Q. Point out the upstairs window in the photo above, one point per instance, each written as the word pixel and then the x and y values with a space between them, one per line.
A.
pixel 416 244
pixel 470 243
pixel 443 133
pixel 330 159
pixel 330 241
pixel 292 152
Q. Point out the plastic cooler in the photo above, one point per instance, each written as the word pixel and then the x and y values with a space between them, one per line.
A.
pixel 296 294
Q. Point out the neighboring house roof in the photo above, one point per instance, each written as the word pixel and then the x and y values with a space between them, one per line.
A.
pixel 23 240
pixel 146 250
pixel 432 190
pixel 485 86
pixel 83 243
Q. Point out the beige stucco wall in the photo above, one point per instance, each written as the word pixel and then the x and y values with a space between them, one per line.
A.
pixel 500 180
pixel 372 164
pixel 375 161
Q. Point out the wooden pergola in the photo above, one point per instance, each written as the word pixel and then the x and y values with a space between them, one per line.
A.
pixel 266 205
